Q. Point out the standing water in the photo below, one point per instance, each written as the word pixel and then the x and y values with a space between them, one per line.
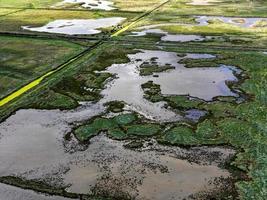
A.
pixel 77 26
pixel 32 144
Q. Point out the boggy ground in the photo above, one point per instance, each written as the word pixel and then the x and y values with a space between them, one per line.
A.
pixel 78 134
pixel 220 116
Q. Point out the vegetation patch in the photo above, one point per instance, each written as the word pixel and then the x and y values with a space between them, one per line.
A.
pixel 150 69
pixel 115 126
pixel 115 106
pixel 36 186
pixel 143 130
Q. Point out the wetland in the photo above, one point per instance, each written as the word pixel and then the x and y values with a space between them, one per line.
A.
pixel 140 100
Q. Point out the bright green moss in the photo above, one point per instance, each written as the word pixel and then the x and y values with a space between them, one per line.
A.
pixel 88 131
pixel 143 129
pixel 180 136
pixel 117 134
pixel 183 102
pixel 125 119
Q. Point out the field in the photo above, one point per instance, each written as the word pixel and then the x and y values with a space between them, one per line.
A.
pixel 138 100
pixel 23 59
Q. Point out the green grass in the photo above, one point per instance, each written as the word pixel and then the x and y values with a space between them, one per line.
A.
pixel 226 8
pixel 28 3
pixel 215 29
pixel 136 5
pixel 22 60
pixel 4 11
pixel 53 100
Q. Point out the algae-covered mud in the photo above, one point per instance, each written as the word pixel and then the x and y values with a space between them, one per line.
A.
pixel 133 100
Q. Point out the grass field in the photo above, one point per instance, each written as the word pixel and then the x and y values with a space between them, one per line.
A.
pixel 28 3
pixel 224 8
pixel 118 4
pixel 23 60
pixel 37 18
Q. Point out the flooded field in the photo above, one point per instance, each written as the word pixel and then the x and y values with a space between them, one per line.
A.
pixel 161 28
pixel 178 81
pixel 169 37
pixel 77 26
pixel 33 144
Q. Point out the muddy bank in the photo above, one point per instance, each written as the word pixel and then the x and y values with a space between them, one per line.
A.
pixel 8 192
